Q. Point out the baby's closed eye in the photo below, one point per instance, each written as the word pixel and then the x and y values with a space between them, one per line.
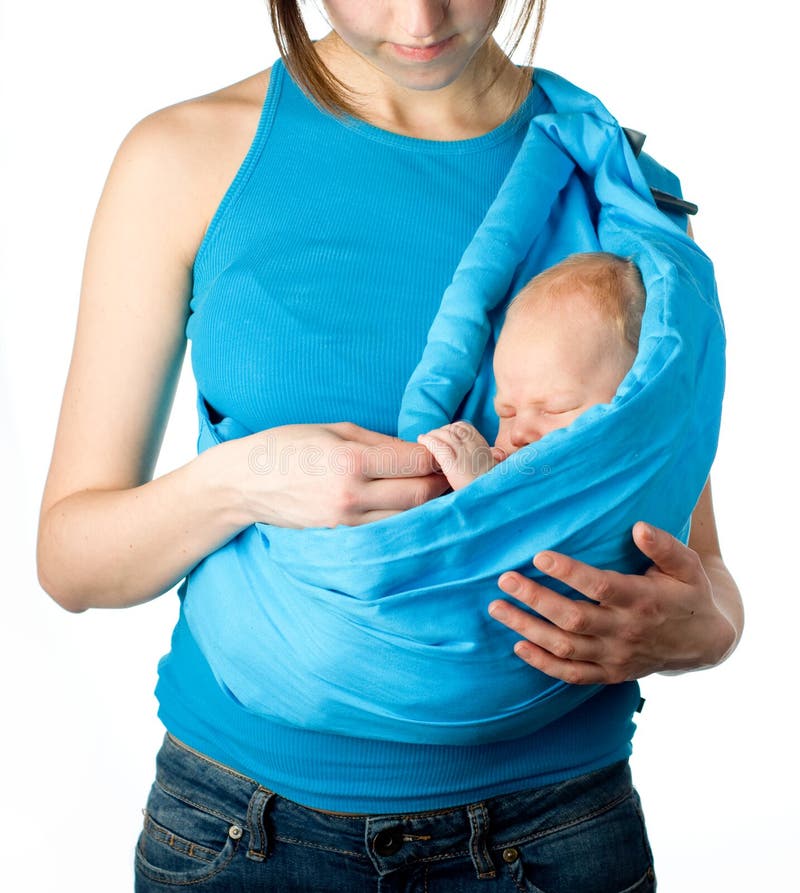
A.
pixel 549 410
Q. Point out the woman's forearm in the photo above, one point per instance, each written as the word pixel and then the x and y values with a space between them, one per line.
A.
pixel 704 539
pixel 117 548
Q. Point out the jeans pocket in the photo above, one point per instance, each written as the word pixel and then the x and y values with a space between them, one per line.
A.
pixel 182 843
pixel 604 852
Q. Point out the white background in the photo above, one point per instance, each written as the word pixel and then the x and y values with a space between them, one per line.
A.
pixel 715 754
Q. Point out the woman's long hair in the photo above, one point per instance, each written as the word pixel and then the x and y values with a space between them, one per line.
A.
pixel 297 49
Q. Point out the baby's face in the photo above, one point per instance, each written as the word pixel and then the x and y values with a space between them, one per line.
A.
pixel 551 364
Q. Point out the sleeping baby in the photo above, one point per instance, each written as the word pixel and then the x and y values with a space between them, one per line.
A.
pixel 568 339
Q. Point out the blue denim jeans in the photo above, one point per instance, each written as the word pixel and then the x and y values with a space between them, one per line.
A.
pixel 209 828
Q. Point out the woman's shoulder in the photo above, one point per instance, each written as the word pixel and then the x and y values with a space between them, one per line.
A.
pixel 199 144
pixel 218 112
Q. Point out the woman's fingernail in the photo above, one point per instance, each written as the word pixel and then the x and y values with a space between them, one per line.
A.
pixel 544 562
pixel 648 533
pixel 497 610
pixel 509 583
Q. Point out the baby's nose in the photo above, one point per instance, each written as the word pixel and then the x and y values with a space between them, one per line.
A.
pixel 522 435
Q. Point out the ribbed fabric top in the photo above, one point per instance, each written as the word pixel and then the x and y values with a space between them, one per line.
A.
pixel 314 289
pixel 322 269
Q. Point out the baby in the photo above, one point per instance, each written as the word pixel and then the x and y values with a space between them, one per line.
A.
pixel 568 339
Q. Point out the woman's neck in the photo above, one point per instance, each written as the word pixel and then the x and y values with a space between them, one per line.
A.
pixel 484 95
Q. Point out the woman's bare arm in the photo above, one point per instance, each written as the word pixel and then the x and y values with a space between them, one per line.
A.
pixel 109 536
pixel 704 540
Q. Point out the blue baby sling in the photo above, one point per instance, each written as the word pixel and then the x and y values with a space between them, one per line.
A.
pixel 381 630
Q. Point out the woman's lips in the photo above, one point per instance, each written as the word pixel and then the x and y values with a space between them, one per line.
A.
pixel 422 54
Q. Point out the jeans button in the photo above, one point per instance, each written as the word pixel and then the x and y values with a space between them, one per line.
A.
pixel 510 855
pixel 388 841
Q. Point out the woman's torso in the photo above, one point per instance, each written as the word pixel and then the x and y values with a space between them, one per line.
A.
pixel 236 298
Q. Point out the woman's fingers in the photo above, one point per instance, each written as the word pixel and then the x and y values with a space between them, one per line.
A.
pixel 574 657
pixel 323 475
pixel 570 615
pixel 394 458
pixel 580 658
pixel 601 586
pixel 634 625
pixel 556 641
pixel 357 451
pixel 569 629
pixel 667 553
pixel 398 494
pixel 369 517
pixel 572 671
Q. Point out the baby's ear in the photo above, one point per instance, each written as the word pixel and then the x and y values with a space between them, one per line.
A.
pixel 499 454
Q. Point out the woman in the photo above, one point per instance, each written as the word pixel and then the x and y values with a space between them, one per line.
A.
pixel 241 803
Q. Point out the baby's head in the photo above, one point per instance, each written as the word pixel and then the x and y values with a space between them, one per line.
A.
pixel 569 338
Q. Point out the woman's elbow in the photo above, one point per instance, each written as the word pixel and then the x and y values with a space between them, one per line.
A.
pixel 60 594
pixel 52 581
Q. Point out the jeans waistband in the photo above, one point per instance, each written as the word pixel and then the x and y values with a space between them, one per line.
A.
pixel 389 841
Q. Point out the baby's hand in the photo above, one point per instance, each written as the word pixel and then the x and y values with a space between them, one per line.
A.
pixel 461 451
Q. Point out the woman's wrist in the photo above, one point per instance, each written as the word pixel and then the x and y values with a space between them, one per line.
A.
pixel 225 470
pixel 721 626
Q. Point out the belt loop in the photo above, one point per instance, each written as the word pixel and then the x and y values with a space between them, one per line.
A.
pixel 479 852
pixel 257 824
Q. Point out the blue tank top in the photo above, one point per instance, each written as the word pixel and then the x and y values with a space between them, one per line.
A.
pixel 314 288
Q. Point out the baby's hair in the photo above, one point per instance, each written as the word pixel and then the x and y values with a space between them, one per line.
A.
pixel 614 284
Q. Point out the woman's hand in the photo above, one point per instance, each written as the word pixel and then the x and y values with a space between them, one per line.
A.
pixel 324 475
pixel 668 619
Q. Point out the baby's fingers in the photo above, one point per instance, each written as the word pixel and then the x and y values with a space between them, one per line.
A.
pixel 442 451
